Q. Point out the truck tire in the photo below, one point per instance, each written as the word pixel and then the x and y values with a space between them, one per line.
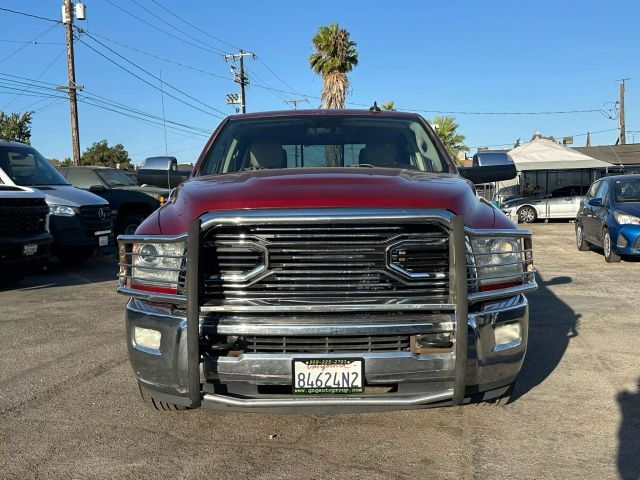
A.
pixel 527 214
pixel 74 256
pixel 129 224
pixel 582 245
pixel 160 405
pixel 609 255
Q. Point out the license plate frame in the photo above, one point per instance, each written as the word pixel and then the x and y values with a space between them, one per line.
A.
pixel 330 377
pixel 29 249
pixel 103 241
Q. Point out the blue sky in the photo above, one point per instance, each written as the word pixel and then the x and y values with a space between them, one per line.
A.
pixel 480 56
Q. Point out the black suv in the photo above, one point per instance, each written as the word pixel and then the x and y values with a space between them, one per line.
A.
pixel 130 203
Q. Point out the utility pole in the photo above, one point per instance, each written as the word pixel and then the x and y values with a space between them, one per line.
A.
pixel 239 76
pixel 295 101
pixel 67 20
pixel 622 139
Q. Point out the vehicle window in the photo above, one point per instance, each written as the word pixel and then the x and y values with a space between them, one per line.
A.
pixel 603 193
pixel 627 190
pixel 27 167
pixel 591 193
pixel 83 177
pixel 562 192
pixel 322 142
pixel 114 178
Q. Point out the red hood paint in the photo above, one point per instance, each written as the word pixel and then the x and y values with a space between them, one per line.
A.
pixel 317 188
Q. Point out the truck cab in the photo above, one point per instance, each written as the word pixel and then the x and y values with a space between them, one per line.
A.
pixel 327 261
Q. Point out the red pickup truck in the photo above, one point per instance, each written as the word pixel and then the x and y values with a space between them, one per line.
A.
pixel 327 260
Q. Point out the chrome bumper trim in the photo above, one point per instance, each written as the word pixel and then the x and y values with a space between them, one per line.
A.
pixel 327 401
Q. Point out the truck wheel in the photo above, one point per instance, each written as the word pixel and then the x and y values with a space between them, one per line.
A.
pixel 609 255
pixel 160 405
pixel 580 242
pixel 74 256
pixel 129 224
pixel 527 215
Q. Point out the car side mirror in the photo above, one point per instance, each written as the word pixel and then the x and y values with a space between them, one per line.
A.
pixel 490 173
pixel 595 202
pixel 490 167
pixel 97 188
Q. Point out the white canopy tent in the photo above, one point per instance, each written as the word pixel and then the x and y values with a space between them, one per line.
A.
pixel 543 154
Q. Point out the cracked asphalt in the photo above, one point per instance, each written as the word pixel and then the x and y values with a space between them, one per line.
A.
pixel 69 405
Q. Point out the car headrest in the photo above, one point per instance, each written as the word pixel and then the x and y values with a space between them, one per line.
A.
pixel 267 155
pixel 379 154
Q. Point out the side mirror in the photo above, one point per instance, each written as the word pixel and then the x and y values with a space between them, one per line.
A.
pixel 595 202
pixel 490 167
pixel 490 173
pixel 97 188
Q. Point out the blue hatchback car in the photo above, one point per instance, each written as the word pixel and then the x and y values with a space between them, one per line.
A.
pixel 609 217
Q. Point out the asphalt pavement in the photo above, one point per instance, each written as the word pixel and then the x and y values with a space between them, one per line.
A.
pixel 69 405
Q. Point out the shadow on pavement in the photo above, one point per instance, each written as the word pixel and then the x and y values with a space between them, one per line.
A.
pixel 552 323
pixel 100 267
pixel 629 434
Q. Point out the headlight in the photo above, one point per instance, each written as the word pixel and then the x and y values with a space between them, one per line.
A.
pixel 62 210
pixel 624 218
pixel 497 259
pixel 157 262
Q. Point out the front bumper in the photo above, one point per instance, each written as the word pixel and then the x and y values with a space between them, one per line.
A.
pixel 626 240
pixel 417 380
pixel 12 252
pixel 71 232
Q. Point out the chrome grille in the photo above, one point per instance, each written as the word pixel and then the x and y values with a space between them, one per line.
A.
pixel 290 344
pixel 326 264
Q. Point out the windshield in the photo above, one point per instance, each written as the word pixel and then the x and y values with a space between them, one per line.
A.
pixel 27 167
pixel 323 141
pixel 114 178
pixel 627 190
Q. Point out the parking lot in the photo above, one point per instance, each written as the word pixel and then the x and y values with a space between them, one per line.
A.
pixel 69 405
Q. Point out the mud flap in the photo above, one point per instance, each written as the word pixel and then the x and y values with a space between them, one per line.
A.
pixel 458 272
pixel 193 313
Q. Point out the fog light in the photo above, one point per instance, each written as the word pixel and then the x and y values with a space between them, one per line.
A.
pixel 507 333
pixel 434 340
pixel 622 242
pixel 147 338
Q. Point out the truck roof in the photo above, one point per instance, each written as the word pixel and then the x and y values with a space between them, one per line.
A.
pixel 321 111
pixel 4 142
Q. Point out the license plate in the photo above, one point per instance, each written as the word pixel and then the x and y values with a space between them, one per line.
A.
pixel 317 375
pixel 103 241
pixel 29 249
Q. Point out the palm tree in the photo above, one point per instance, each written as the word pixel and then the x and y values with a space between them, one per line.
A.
pixel 335 55
pixel 446 128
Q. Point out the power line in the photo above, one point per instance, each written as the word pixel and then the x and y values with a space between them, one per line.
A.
pixel 161 29
pixel 196 27
pixel 277 76
pixel 153 76
pixel 29 15
pixel 46 69
pixel 4 40
pixel 32 42
pixel 222 52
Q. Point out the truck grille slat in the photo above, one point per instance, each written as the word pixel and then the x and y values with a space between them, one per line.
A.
pixel 277 265
pixel 92 219
pixel 290 344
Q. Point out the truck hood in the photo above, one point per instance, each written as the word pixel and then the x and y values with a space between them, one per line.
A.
pixel 70 196
pixel 307 188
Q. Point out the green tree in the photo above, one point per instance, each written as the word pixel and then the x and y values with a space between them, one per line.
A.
pixel 447 130
pixel 388 106
pixel 335 55
pixel 16 127
pixel 100 153
pixel 67 162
